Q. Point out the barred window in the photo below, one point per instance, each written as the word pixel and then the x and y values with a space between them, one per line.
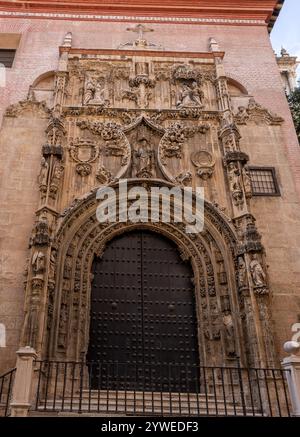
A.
pixel 263 181
pixel 7 57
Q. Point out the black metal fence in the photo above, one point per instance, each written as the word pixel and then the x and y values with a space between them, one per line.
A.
pixel 164 390
pixel 6 385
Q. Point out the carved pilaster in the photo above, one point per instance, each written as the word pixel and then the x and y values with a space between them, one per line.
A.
pixel 60 90
pixel 51 164
pixel 254 291
pixel 37 279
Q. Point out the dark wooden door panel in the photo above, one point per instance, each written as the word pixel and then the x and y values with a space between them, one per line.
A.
pixel 143 316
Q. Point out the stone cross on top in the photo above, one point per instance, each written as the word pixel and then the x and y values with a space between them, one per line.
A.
pixel 141 42
pixel 140 29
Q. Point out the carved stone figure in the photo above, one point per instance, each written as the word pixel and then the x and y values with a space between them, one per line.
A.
pixel 235 183
pixel 143 159
pixel 38 262
pixel 257 272
pixel 89 91
pixel 229 337
pixel 242 273
pixel 41 235
pixel 57 173
pixel 43 176
pixel 99 94
pixel 190 95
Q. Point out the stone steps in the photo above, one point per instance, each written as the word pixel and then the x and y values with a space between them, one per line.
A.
pixel 143 403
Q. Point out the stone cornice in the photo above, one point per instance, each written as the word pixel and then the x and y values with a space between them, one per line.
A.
pixel 218 11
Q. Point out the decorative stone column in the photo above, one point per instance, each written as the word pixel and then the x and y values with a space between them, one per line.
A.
pixel 23 382
pixel 292 365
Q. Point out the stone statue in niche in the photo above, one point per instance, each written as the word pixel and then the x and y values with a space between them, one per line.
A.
pixel 56 176
pixel 257 272
pixel 57 173
pixel 190 95
pixel 94 93
pixel 235 183
pixel 41 233
pixel 43 176
pixel 143 159
pixel 242 274
pixel 89 91
pixel 229 337
pixel 38 262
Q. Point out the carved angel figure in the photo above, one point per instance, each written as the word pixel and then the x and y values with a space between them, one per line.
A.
pixel 257 272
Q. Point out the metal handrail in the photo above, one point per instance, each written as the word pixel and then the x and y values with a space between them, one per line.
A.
pixel 6 384
pixel 161 388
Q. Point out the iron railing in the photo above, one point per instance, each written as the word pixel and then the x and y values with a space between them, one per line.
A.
pixel 164 390
pixel 6 385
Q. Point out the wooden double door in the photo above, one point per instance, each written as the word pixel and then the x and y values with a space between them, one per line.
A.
pixel 143 329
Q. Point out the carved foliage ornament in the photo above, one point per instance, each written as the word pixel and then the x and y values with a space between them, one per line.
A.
pixel 115 142
pixel 174 138
pixel 257 113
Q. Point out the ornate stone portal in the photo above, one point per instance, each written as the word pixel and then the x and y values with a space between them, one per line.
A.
pixel 156 121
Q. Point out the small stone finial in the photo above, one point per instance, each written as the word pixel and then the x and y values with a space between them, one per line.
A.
pixel 213 45
pixel 291 347
pixel 284 52
pixel 68 40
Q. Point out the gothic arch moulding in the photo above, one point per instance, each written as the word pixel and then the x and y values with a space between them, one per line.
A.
pixel 212 256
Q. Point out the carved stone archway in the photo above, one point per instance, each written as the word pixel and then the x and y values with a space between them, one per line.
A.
pixel 212 256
